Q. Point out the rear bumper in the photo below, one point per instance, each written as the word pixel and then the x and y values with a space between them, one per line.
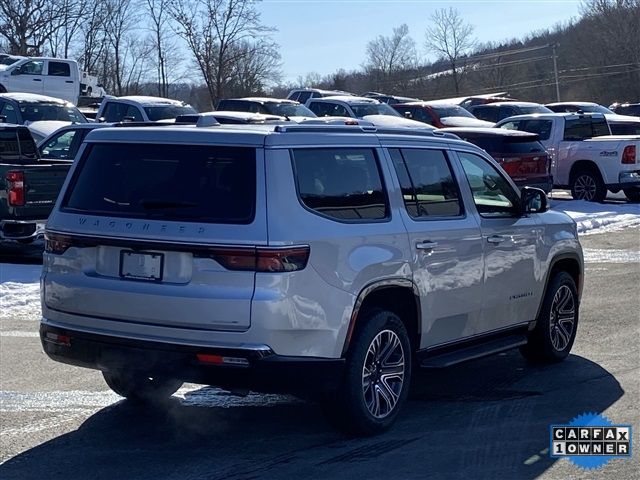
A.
pixel 543 184
pixel 626 180
pixel 260 369
pixel 22 229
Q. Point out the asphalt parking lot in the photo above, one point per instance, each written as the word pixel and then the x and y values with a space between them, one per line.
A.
pixel 487 419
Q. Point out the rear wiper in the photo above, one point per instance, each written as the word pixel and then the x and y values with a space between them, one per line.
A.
pixel 160 204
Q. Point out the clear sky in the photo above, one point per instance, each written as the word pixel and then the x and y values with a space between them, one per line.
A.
pixel 325 35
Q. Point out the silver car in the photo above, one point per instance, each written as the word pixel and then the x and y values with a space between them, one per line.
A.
pixel 305 258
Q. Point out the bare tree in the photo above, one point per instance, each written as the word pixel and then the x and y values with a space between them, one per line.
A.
pixel 451 38
pixel 390 54
pixel 94 43
pixel 121 16
pixel 163 47
pixel 27 25
pixel 214 31
pixel 70 22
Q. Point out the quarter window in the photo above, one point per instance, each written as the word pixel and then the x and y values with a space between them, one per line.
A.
pixel 428 186
pixel 343 184
pixel 492 194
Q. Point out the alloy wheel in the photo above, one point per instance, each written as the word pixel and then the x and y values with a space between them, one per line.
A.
pixel 383 373
pixel 563 318
pixel 585 187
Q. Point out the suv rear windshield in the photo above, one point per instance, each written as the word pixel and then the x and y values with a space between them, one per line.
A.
pixel 189 183
pixel 513 145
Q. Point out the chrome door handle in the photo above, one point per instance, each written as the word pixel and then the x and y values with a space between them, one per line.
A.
pixel 496 239
pixel 426 245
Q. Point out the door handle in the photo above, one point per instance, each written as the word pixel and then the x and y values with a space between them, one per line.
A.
pixel 426 245
pixel 37 79
pixel 496 239
pixel 68 81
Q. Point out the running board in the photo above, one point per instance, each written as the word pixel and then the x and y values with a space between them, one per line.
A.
pixel 436 359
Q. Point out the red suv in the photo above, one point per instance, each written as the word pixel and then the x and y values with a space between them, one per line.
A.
pixel 439 114
pixel 522 156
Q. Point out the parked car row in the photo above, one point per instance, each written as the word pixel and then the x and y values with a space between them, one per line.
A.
pixel 566 150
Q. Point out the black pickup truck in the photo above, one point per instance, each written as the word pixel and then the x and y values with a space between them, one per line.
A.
pixel 29 186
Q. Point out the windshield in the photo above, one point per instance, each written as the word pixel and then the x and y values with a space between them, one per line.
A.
pixel 35 112
pixel 165 112
pixel 8 60
pixel 451 111
pixel 288 110
pixel 374 109
pixel 533 109
pixel 594 109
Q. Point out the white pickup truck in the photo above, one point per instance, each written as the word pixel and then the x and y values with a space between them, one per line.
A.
pixel 585 156
pixel 54 77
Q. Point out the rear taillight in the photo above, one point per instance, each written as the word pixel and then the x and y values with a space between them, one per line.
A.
pixel 629 155
pixel 15 188
pixel 262 259
pixel 55 243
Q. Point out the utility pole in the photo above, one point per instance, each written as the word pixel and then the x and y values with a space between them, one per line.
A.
pixel 555 71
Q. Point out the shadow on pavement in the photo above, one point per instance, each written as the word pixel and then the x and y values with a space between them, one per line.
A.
pixel 487 419
pixel 14 252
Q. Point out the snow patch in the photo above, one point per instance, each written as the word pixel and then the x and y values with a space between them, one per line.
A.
pixel 594 217
pixel 20 291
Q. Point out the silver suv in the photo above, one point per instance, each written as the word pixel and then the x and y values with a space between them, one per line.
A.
pixel 324 259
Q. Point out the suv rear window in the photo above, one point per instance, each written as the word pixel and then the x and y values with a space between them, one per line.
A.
pixel 188 183
pixel 344 184
pixel 514 145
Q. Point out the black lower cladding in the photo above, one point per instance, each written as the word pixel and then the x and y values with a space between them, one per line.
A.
pixel 266 371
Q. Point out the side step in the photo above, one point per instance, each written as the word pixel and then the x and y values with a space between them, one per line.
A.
pixel 440 359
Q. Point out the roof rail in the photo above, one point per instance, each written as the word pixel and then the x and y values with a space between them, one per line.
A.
pixel 332 128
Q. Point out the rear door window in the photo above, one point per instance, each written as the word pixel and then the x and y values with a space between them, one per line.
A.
pixel 59 69
pixel 343 184
pixel 585 127
pixel 428 187
pixel 489 114
pixel 189 183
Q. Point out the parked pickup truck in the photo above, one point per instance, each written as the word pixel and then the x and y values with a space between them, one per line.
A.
pixel 29 186
pixel 55 77
pixel 585 156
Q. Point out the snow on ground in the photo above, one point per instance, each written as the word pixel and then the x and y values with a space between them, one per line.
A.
pixel 599 217
pixel 20 289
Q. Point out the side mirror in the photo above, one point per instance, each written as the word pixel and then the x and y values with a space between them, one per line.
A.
pixel 128 119
pixel 408 115
pixel 3 119
pixel 534 200
pixel 16 71
pixel 101 120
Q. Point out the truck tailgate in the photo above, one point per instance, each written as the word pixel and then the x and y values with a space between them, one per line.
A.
pixel 42 183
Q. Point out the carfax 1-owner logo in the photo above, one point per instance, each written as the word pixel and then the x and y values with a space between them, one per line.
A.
pixel 590 441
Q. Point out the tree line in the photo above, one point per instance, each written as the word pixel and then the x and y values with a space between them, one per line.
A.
pixel 155 46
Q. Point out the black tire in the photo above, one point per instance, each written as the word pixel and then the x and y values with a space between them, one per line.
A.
pixel 140 388
pixel 587 184
pixel 632 194
pixel 553 336
pixel 351 409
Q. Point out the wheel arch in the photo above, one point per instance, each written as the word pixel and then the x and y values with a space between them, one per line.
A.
pixel 399 295
pixel 569 262
pixel 581 165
